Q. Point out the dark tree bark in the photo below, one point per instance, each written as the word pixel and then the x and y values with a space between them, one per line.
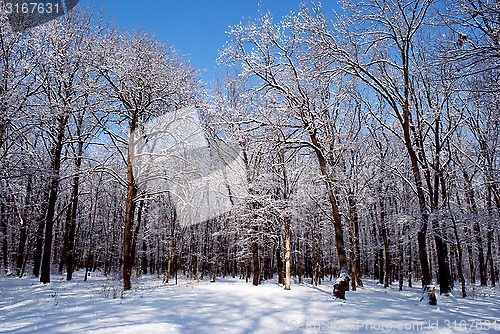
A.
pixel 410 265
pixel 341 286
pixel 215 272
pixel 470 253
pixel 376 266
pixel 381 265
pixel 491 192
pixel 355 246
pixel 422 232
pixel 224 247
pixel 234 266
pixel 385 266
pixel 51 206
pixel 172 257
pixel 256 265
pixel 129 210
pixel 204 247
pixel 144 258
pixel 136 231
pixel 444 280
pixel 267 267
pixel 489 257
pixel 195 253
pixel 483 275
pixel 434 185
pixel 23 230
pixel 288 248
pixel 460 258
pixel 64 251
pixel 5 233
pixel 37 256
pixel 471 201
pixel 279 264
pixel 337 221
pixel 400 265
pixel 70 258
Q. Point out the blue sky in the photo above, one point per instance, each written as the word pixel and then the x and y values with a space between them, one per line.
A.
pixel 196 28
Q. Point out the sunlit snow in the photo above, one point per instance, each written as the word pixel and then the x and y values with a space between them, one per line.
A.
pixel 233 306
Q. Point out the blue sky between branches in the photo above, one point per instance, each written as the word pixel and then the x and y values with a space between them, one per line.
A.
pixel 196 28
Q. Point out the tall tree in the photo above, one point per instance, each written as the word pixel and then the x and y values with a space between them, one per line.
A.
pixel 309 94
pixel 145 79
pixel 381 52
pixel 63 49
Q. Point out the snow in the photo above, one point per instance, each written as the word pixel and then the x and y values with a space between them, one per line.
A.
pixel 233 306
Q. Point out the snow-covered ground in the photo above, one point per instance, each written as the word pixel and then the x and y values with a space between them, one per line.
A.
pixel 232 306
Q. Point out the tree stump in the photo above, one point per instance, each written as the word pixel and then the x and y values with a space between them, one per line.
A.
pixel 432 296
pixel 341 286
pixel 429 294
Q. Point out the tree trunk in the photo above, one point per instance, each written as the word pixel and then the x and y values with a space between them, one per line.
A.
pixel 256 266
pixel 195 253
pixel 439 183
pixel 288 241
pixel 355 246
pixel 234 266
pixel 400 265
pixel 37 257
pixel 470 253
pixel 299 269
pixel 491 191
pixel 340 286
pixel 422 252
pixel 144 258
pixel 5 246
pixel 483 275
pixel 216 265
pixel 489 257
pixel 410 265
pixel 267 267
pixel 129 212
pixel 23 236
pixel 64 251
pixel 224 249
pixel 70 253
pixel 205 246
pixel 136 231
pixel 70 258
pixel 471 201
pixel 51 206
pixel 337 221
pixel 444 280
pixel 405 123
pixel 386 272
pixel 279 264
pixel 23 231
pixel 381 265
pixel 172 257
pixel 460 257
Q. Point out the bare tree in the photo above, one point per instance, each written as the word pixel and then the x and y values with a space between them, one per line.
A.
pixel 63 47
pixel 145 79
pixel 382 53
pixel 278 57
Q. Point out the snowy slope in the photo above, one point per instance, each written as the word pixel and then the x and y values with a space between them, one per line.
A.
pixel 231 306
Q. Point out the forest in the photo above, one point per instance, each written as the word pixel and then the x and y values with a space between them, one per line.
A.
pixel 366 139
